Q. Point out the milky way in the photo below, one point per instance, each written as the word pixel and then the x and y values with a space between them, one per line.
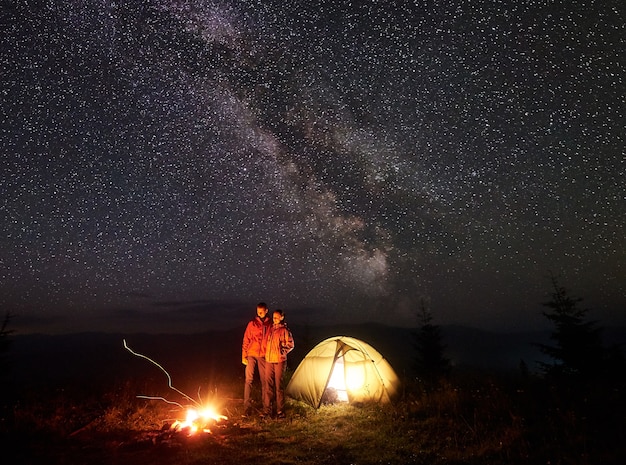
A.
pixel 186 159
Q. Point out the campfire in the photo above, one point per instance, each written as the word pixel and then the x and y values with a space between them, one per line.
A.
pixel 199 418
pixel 198 421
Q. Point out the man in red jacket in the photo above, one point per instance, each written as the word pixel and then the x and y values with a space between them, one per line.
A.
pixel 251 353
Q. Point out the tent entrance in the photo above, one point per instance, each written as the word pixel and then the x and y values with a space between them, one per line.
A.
pixel 336 390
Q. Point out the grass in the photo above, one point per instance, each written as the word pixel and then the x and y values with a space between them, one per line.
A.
pixel 468 420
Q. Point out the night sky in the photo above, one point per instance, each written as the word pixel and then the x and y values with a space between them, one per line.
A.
pixel 168 164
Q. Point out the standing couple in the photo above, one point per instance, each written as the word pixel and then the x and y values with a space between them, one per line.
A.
pixel 265 346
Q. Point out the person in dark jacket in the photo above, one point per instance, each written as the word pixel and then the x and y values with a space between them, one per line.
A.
pixel 253 355
pixel 278 343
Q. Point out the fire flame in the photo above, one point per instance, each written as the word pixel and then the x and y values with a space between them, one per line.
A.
pixel 198 420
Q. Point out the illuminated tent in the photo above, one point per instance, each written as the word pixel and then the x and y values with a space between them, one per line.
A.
pixel 349 368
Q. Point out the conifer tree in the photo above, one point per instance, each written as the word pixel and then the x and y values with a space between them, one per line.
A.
pixel 431 363
pixel 5 332
pixel 5 342
pixel 577 350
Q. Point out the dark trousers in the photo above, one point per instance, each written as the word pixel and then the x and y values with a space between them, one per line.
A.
pixel 275 392
pixel 253 364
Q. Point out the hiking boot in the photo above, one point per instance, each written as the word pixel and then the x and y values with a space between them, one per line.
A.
pixel 280 415
pixel 247 413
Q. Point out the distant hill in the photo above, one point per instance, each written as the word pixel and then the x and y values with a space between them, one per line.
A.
pixel 213 356
pixel 465 347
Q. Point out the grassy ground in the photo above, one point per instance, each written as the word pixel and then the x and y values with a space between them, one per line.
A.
pixel 474 420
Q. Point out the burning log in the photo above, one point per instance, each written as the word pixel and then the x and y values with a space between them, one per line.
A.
pixel 198 421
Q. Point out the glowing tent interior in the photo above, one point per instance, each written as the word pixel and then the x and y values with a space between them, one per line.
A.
pixel 350 369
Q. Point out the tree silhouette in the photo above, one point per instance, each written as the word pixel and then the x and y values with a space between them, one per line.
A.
pixel 430 363
pixel 577 350
pixel 5 342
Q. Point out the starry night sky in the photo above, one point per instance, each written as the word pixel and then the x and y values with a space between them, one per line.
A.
pixel 168 164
